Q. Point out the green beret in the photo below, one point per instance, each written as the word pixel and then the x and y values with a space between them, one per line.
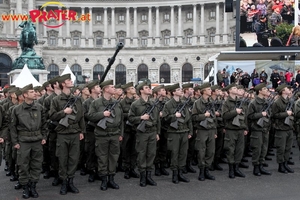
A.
pixel 53 80
pixel 215 87
pixel 167 87
pixel 240 87
pixel 157 88
pixel 27 87
pixel 105 83
pixel 281 87
pixel 197 88
pixel 18 92
pixel 127 85
pixel 5 90
pixel 260 86
pixel 141 85
pixel 227 88
pixel 174 87
pixel 62 78
pixel 12 89
pixel 118 86
pixel 187 85
pixel 92 84
pixel 46 84
pixel 204 85
pixel 38 88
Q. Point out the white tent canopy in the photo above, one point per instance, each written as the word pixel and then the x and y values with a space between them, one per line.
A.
pixel 67 70
pixel 25 78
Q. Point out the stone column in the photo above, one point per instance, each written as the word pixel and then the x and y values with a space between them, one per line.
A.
pixel 127 40
pixel 113 31
pixel 217 37
pixel 37 27
pixel 44 27
pixel 157 31
pixel 195 24
pixel 11 22
pixel 150 27
pixel 18 11
pixel 225 28
pixel 60 37
pixel 179 34
pixel 30 5
pixel 91 42
pixel 172 37
pixel 202 35
pixel 135 35
pixel 68 37
pixel 82 42
pixel 105 39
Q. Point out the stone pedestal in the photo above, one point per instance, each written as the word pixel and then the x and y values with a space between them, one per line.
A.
pixel 40 74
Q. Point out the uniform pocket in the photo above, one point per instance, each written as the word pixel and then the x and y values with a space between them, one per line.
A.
pixel 170 144
pixel 197 144
pixel 227 143
pixel 277 141
pixel 138 145
pixel 57 152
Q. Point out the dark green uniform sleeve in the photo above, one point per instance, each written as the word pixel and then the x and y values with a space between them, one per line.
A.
pixel 197 113
pixel 13 128
pixel 55 114
pixel 132 116
pixel 95 115
pixel 44 128
pixel 252 114
pixel 297 109
pixel 276 113
pixel 227 113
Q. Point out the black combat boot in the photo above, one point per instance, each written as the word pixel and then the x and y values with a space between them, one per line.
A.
pixel 237 171
pixel 63 188
pixel 157 170
pixel 201 176
pixel 217 166
pixel 111 182
pixel 175 177
pixel 189 167
pixel 14 177
pixel 143 179
pixel 231 171
pixel 207 175
pixel 91 176
pixel 33 192
pixel 282 169
pixel 256 170
pixel 149 179
pixel 182 178
pixel 133 173
pixel 71 187
pixel 290 162
pixel 163 171
pixel 18 186
pixel 263 170
pixel 243 165
pixel 56 181
pixel 26 191
pixel 47 174
pixel 288 169
pixel 104 183
pixel 127 174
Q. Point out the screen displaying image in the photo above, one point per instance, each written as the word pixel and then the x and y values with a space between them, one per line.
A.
pixel 267 25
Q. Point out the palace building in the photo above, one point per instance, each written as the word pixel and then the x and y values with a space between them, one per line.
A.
pixel 166 41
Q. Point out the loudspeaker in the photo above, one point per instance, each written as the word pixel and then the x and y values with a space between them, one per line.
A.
pixel 228 5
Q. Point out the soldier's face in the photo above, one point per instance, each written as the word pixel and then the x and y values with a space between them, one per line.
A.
pixel 162 92
pixel 97 89
pixel 132 90
pixel 30 94
pixel 69 83
pixel 86 91
pixel 178 92
pixel 207 91
pixel 147 90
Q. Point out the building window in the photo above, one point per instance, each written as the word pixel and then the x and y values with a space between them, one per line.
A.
pixel 54 71
pixel 166 17
pixel 211 32
pixel 164 73
pixel 187 72
pixel 188 36
pixel 52 37
pixel 144 35
pixel 144 18
pixel 166 37
pixel 142 72
pixel 121 35
pixel 144 41
pixel 98 72
pixel 121 18
pixel 98 18
pixel 212 15
pixel 189 39
pixel 189 16
pixel 76 69
pixel 76 41
pixel 98 41
pixel 75 35
pixel 120 74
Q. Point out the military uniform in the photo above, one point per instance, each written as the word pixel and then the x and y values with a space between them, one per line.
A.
pixel 68 138
pixel 177 138
pixel 259 134
pixel 145 141
pixel 234 136
pixel 206 131
pixel 283 131
pixel 28 128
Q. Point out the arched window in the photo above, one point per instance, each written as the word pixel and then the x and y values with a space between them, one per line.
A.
pixel 98 71
pixel 142 71
pixel 76 69
pixel 54 71
pixel 120 74
pixel 5 66
pixel 187 72
pixel 164 73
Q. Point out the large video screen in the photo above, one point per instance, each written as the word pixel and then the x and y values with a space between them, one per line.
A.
pixel 267 25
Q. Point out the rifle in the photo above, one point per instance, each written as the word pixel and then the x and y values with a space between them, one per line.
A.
pixel 142 126
pixel 111 61
pixel 209 107
pixel 110 108
pixel 289 106
pixel 71 102
pixel 179 109
pixel 261 120
pixel 236 120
